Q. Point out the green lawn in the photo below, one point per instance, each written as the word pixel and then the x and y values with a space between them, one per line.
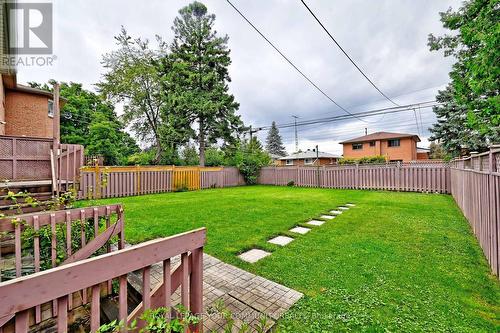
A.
pixel 402 262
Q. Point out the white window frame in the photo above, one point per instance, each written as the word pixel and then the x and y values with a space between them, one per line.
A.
pixel 311 161
pixel 288 162
pixel 49 104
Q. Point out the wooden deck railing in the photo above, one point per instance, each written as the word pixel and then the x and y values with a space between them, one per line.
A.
pixel 426 177
pixel 20 295
pixel 475 186
pixel 55 254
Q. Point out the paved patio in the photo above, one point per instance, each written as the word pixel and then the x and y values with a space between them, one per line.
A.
pixel 246 295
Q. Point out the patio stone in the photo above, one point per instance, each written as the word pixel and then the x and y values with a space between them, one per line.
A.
pixel 335 212
pixel 248 296
pixel 253 255
pixel 343 208
pixel 281 240
pixel 350 205
pixel 327 217
pixel 300 230
pixel 316 222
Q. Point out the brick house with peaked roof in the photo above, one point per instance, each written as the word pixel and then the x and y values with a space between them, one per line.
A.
pixel 309 158
pixel 394 146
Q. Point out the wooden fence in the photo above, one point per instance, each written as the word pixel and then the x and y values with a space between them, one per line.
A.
pixel 23 158
pixel 32 255
pixel 421 177
pixel 70 159
pixel 107 182
pixel 475 185
pixel 19 296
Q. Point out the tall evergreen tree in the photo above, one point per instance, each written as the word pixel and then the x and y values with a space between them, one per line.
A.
pixel 274 145
pixel 196 78
pixel 470 117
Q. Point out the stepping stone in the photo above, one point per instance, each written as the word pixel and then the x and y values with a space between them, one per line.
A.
pixel 327 217
pixel 350 205
pixel 336 212
pixel 300 230
pixel 315 222
pixel 280 240
pixel 253 255
pixel 343 208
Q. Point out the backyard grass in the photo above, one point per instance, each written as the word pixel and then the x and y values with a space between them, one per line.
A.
pixel 402 262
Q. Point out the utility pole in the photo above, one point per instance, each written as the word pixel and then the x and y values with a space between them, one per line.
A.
pixel 366 130
pixel 318 165
pixel 296 135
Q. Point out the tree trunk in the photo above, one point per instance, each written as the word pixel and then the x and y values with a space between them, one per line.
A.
pixel 159 149
pixel 201 142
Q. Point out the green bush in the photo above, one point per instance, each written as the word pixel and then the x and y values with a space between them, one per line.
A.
pixel 376 159
pixel 249 158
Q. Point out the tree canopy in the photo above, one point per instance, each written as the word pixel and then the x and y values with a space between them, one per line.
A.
pixel 89 120
pixel 469 118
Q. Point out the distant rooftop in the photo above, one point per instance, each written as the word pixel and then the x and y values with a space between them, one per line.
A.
pixel 309 154
pixel 382 136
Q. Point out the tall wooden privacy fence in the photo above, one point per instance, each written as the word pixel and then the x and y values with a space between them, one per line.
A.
pixel 107 182
pixel 475 185
pixel 429 176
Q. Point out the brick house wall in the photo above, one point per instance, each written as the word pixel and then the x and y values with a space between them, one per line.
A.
pixel 407 150
pixel 26 114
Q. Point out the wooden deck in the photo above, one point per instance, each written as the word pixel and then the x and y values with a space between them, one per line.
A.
pixel 248 296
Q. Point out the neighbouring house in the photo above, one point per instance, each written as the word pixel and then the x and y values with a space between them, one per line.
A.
pixel 26 111
pixel 423 153
pixel 394 146
pixel 309 158
pixel 275 159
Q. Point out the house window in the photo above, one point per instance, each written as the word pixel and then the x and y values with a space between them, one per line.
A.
pixel 308 161
pixel 357 146
pixel 51 108
pixel 372 143
pixel 289 162
pixel 393 143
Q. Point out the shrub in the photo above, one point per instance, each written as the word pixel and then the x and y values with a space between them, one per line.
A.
pixel 290 183
pixel 376 159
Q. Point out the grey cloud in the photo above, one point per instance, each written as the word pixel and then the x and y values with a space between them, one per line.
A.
pixel 387 38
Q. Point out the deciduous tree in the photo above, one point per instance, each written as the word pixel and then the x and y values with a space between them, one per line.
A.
pixel 472 101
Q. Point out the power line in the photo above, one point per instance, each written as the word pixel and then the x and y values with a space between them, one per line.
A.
pixel 292 64
pixel 370 113
pixel 347 55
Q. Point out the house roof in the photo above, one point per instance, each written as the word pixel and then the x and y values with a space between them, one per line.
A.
pixel 382 136
pixel 36 91
pixel 308 154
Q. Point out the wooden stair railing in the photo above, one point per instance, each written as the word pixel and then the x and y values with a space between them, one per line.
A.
pixel 66 217
pixel 18 296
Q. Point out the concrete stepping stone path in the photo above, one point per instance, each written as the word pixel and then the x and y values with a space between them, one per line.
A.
pixel 253 255
pixel 327 217
pixel 343 208
pixel 280 240
pixel 316 223
pixel 350 205
pixel 336 212
pixel 300 230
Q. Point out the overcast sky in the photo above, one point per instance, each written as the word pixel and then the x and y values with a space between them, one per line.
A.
pixel 387 38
